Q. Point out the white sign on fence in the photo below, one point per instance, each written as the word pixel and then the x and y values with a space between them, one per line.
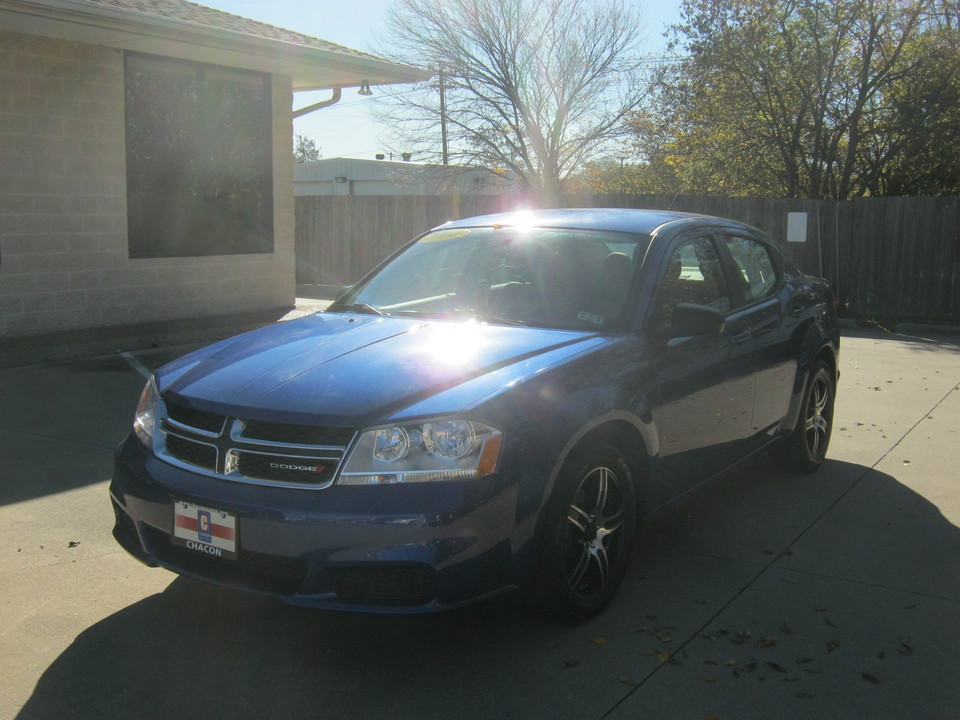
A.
pixel 797 227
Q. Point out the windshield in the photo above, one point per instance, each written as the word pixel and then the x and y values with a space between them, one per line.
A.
pixel 544 277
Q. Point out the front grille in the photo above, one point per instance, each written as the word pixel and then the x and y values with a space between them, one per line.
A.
pixel 252 451
pixel 283 468
pixel 190 417
pixel 400 584
pixel 296 434
pixel 194 453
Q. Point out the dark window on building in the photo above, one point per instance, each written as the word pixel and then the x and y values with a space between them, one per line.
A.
pixel 199 159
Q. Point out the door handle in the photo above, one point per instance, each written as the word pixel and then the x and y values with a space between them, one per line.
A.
pixel 742 337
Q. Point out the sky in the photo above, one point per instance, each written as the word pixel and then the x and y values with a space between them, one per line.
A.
pixel 348 129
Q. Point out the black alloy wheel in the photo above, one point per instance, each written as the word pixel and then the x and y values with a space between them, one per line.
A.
pixel 806 447
pixel 587 536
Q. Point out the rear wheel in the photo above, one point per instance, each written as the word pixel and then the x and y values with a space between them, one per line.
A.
pixel 806 447
pixel 587 534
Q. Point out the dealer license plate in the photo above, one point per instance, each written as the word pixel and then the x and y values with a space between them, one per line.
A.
pixel 205 530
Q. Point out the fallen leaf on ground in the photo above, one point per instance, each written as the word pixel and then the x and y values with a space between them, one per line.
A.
pixel 661 634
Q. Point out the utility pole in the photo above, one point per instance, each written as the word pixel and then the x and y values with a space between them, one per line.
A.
pixel 443 118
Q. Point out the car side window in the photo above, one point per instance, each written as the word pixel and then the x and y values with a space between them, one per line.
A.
pixel 757 271
pixel 694 275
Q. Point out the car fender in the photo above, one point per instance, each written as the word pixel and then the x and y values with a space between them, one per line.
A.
pixel 817 342
pixel 574 425
pixel 545 460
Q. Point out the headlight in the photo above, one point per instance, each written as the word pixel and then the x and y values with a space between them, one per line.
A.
pixel 146 415
pixel 449 439
pixel 447 449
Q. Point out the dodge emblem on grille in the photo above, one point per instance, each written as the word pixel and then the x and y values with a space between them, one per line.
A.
pixel 299 468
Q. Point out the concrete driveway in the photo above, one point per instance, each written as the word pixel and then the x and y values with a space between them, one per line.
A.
pixel 764 596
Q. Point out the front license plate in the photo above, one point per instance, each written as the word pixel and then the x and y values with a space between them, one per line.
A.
pixel 205 530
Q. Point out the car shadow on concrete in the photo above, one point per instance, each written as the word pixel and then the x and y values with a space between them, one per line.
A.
pixel 809 579
pixel 60 422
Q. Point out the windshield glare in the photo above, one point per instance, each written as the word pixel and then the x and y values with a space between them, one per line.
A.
pixel 545 277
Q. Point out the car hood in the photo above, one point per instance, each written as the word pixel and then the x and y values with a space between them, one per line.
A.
pixel 360 369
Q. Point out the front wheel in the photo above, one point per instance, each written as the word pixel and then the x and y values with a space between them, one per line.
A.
pixel 806 447
pixel 587 533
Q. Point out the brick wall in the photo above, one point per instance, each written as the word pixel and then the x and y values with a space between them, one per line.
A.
pixel 63 228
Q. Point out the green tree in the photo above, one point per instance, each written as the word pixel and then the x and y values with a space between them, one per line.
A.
pixel 536 87
pixel 915 145
pixel 780 97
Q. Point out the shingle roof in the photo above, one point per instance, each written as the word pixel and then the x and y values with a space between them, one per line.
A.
pixel 201 15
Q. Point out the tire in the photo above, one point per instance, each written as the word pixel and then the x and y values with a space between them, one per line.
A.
pixel 804 449
pixel 586 535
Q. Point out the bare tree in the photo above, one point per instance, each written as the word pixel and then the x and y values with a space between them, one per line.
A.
pixel 305 149
pixel 534 87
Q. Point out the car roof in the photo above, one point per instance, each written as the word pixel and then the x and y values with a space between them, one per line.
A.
pixel 616 219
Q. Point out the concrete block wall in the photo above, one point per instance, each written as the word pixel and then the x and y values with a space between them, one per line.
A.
pixel 64 262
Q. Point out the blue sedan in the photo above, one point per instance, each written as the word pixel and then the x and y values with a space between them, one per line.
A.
pixel 496 406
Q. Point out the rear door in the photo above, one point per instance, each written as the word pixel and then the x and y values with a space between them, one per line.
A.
pixel 768 327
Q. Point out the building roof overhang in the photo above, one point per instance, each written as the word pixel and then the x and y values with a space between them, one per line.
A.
pixel 313 64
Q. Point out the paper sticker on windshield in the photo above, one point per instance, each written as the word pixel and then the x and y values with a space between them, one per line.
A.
pixel 591 318
pixel 442 235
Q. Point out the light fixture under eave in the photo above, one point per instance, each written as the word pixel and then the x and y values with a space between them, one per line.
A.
pixel 364 88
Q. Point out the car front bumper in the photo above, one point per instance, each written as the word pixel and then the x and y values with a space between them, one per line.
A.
pixel 399 548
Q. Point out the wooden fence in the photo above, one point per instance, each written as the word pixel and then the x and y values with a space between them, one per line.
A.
pixel 887 258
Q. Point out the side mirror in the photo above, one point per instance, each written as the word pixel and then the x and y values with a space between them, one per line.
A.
pixel 689 320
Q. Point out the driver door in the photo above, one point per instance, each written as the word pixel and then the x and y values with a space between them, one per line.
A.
pixel 705 383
